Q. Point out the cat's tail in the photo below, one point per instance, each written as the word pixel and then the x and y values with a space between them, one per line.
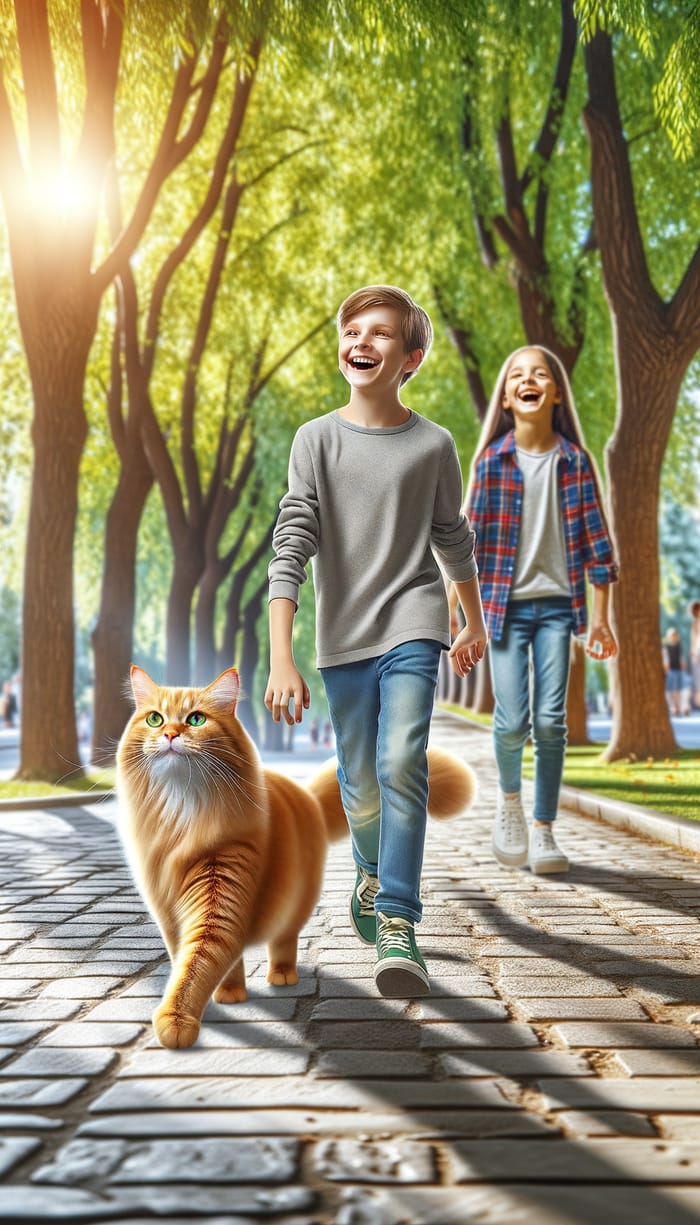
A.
pixel 451 784
pixel 451 789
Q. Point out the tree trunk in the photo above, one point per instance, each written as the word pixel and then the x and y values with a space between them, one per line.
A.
pixel 205 653
pixel 187 570
pixel 483 702
pixel 654 342
pixel 641 720
pixel 57 342
pixel 250 655
pixel 467 694
pixel 576 709
pixel 113 636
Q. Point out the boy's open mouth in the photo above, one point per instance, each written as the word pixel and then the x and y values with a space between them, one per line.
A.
pixel 363 363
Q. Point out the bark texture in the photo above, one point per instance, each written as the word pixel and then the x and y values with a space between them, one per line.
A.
pixel 655 340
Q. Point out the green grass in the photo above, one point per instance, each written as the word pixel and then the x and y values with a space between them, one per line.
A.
pixel 96 780
pixel 671 785
pixel 470 715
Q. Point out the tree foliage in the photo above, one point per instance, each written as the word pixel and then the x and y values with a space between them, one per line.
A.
pixel 674 31
pixel 465 179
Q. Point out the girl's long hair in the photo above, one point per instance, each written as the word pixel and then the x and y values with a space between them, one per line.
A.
pixel 498 421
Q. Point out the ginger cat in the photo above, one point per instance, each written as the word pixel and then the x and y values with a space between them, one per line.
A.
pixel 225 852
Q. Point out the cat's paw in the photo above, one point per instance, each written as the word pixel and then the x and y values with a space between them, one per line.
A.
pixel 175 1029
pixel 282 976
pixel 230 995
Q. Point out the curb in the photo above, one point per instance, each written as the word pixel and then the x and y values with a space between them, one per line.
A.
pixel 79 799
pixel 660 826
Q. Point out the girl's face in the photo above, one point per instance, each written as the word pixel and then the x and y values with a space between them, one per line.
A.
pixel 530 391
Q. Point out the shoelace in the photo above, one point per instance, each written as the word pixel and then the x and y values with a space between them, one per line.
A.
pixel 544 838
pixel 367 890
pixel 394 933
pixel 512 821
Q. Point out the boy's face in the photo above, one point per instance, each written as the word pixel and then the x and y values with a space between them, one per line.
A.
pixel 371 354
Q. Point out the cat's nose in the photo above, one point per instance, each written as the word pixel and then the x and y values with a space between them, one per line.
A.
pixel 170 736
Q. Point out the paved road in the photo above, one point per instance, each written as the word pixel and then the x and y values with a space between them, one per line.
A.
pixel 686 729
pixel 552 1078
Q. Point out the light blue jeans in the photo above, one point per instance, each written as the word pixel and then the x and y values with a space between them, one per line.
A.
pixel 538 629
pixel 380 709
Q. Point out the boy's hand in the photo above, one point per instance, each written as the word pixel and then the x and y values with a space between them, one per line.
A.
pixel 467 649
pixel 286 684
pixel 601 641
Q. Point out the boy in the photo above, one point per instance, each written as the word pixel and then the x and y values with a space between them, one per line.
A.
pixel 373 489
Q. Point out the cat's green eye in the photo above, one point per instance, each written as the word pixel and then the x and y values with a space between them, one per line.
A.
pixel 154 719
pixel 196 719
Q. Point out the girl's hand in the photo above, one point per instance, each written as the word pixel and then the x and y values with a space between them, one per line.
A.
pixel 601 641
pixel 467 649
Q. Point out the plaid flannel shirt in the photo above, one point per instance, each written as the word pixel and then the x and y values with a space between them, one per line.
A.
pixel 494 509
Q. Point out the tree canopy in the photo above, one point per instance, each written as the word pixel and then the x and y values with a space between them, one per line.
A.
pixel 170 323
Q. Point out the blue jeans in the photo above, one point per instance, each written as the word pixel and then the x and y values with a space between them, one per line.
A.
pixel 380 709
pixel 542 629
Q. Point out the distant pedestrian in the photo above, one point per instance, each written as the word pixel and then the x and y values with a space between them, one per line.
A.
pixel 84 726
pixel 313 733
pixel 8 705
pixel 694 611
pixel 327 735
pixel 536 508
pixel 674 666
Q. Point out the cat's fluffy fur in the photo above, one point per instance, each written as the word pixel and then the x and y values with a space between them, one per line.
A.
pixel 225 852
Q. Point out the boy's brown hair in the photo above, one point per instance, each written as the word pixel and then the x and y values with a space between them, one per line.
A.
pixel 416 328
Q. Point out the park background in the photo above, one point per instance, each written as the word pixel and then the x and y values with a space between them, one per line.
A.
pixel 188 193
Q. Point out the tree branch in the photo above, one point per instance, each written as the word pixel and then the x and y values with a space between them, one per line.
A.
pixel 102 35
pixel 684 308
pixel 462 340
pixel 286 157
pixel 551 126
pixel 172 150
pixel 176 257
pixel 508 168
pixel 258 386
pixel 487 248
pixel 628 284
pixel 13 180
pixel 40 92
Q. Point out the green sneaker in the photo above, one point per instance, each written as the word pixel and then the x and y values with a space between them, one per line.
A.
pixel 400 971
pixel 362 914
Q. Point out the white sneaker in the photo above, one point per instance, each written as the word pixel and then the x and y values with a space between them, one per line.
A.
pixel 510 840
pixel 545 855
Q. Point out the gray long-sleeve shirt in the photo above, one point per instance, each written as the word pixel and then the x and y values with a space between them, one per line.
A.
pixel 372 507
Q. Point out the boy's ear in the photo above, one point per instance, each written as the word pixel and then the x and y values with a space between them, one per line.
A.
pixel 143 687
pixel 413 359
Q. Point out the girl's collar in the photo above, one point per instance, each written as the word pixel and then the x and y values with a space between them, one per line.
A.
pixel 506 445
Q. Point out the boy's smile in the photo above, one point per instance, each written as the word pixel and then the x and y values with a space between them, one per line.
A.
pixel 371 352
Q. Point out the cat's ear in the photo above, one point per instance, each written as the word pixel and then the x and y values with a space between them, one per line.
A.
pixel 143 688
pixel 225 689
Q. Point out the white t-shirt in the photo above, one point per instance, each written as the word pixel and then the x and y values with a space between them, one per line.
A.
pixel 540 561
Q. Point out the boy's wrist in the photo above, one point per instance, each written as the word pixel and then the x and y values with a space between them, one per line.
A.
pixel 476 627
pixel 282 659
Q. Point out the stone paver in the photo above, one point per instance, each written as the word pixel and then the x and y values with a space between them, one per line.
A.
pixel 551 1078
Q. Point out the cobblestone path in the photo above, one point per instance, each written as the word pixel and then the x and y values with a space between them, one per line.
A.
pixel 552 1077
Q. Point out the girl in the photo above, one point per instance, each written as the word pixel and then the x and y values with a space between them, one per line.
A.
pixel 535 505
